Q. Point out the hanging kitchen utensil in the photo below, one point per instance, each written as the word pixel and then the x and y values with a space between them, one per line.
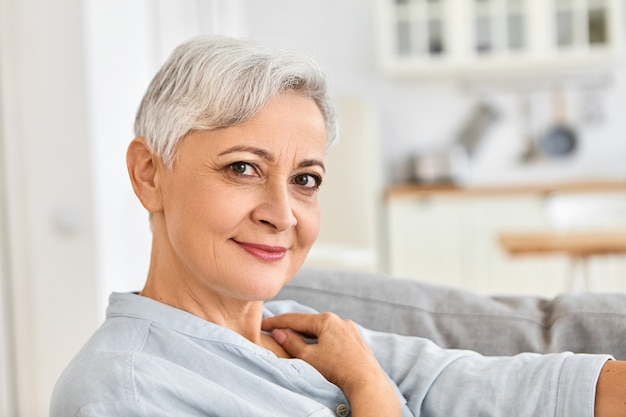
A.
pixel 561 139
pixel 531 152
pixel 452 164
pixel 472 132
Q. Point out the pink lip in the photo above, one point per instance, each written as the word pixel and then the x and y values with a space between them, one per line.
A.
pixel 265 253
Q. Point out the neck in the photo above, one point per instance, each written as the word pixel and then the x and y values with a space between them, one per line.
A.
pixel 243 317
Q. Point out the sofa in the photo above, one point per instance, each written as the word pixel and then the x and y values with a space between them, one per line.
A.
pixel 459 319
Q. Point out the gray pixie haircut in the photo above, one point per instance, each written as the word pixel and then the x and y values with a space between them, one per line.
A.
pixel 212 82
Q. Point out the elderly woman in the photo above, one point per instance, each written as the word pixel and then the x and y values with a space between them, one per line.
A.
pixel 228 161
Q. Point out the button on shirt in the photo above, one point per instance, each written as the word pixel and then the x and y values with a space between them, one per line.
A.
pixel 343 410
pixel 150 359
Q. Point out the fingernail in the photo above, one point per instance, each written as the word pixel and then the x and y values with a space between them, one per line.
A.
pixel 279 335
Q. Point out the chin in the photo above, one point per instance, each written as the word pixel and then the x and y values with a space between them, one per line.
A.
pixel 265 285
pixel 260 294
pixel 265 280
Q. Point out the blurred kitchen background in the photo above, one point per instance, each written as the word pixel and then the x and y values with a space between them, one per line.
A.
pixel 482 146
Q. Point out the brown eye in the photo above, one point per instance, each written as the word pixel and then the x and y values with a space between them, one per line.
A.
pixel 242 168
pixel 307 180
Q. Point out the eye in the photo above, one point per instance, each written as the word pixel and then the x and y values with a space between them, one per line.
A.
pixel 243 168
pixel 308 180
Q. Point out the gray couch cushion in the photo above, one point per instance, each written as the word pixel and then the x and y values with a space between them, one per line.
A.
pixel 454 318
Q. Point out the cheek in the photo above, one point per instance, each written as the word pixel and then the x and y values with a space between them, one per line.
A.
pixel 202 210
pixel 221 211
pixel 309 224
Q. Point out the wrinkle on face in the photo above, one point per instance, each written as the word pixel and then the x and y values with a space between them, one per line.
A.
pixel 208 209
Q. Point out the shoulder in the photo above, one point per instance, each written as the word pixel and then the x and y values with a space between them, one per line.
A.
pixel 137 353
pixel 102 370
pixel 93 377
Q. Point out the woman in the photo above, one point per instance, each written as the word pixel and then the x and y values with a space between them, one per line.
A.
pixel 228 160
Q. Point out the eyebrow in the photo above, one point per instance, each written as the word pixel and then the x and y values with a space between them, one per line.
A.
pixel 312 162
pixel 270 157
pixel 257 151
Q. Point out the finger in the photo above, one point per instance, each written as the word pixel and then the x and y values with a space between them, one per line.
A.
pixel 301 322
pixel 291 342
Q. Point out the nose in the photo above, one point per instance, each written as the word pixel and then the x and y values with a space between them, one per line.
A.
pixel 276 208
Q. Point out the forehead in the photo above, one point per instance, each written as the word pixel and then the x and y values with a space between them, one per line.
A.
pixel 289 113
pixel 289 123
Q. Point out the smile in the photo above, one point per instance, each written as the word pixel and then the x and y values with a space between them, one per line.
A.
pixel 264 252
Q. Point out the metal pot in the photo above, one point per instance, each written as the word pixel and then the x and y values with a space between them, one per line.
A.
pixel 449 166
pixel 560 139
pixel 453 165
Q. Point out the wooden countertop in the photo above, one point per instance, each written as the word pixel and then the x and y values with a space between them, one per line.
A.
pixel 423 191
pixel 580 244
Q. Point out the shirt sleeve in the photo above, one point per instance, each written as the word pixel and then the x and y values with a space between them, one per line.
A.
pixel 438 382
pixel 443 382
pixel 121 408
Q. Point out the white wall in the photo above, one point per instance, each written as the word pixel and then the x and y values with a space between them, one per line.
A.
pixel 121 55
pixel 49 261
pixel 7 376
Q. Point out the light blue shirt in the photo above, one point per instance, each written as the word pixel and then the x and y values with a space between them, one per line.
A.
pixel 150 359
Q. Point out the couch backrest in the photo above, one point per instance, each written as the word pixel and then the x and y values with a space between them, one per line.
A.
pixel 459 319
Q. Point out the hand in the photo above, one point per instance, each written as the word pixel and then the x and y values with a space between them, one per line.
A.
pixel 340 355
pixel 611 390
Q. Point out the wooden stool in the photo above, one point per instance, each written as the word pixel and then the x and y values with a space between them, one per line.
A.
pixel 579 246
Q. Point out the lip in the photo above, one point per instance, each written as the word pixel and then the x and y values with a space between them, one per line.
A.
pixel 266 253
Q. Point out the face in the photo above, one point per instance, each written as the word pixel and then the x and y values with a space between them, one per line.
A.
pixel 240 206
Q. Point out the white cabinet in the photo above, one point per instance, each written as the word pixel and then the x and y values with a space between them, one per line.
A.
pixel 453 240
pixel 491 37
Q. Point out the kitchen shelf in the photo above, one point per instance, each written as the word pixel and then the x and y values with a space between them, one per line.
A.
pixel 487 38
pixel 411 190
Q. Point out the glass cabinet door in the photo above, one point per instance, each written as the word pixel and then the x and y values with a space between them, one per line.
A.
pixel 580 24
pixel 597 22
pixel 420 28
pixel 499 26
pixel 451 36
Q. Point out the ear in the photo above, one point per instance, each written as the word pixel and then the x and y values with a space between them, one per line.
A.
pixel 144 169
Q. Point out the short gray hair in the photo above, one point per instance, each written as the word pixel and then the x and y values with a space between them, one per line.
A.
pixel 211 82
